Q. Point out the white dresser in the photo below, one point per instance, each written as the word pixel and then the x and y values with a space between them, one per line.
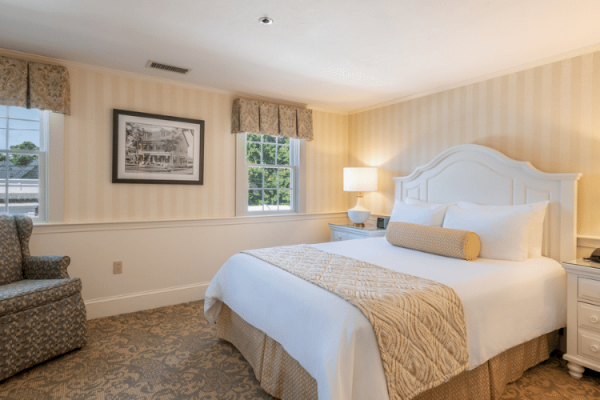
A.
pixel 349 232
pixel 583 316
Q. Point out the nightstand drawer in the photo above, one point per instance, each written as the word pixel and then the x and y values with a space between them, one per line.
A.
pixel 589 289
pixel 588 344
pixel 588 316
pixel 339 236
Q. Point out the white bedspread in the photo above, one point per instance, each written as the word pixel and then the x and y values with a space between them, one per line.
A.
pixel 506 303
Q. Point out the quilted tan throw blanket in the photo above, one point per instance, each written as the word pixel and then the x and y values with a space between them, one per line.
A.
pixel 419 324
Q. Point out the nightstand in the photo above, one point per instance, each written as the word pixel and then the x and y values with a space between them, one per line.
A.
pixel 349 231
pixel 583 316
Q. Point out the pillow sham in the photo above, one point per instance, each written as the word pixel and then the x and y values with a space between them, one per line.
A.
pixel 416 202
pixel 503 233
pixel 435 240
pixel 535 226
pixel 432 216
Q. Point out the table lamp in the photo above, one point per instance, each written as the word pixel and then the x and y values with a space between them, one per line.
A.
pixel 359 180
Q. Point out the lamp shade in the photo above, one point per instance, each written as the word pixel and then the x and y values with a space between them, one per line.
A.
pixel 360 179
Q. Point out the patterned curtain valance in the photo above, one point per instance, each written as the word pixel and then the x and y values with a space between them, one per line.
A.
pixel 34 85
pixel 252 116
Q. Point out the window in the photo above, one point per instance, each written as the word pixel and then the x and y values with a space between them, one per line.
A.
pixel 23 148
pixel 268 174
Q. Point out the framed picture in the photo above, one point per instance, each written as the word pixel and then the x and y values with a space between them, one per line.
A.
pixel 150 148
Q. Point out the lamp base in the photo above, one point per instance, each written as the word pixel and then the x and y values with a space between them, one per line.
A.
pixel 359 214
pixel 359 225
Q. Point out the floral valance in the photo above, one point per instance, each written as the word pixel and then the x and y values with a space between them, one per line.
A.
pixel 34 85
pixel 253 116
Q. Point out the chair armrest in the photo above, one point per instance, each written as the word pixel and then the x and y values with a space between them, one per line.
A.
pixel 46 267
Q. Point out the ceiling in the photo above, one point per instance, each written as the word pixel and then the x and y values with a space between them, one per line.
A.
pixel 333 54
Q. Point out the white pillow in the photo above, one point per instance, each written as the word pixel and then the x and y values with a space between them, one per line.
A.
pixel 432 216
pixel 536 222
pixel 503 233
pixel 415 202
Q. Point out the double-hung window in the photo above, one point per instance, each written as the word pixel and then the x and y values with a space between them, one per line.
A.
pixel 268 174
pixel 23 158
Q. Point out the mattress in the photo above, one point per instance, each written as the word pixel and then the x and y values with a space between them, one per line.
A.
pixel 506 303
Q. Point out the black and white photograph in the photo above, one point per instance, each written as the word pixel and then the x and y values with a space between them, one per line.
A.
pixel 150 148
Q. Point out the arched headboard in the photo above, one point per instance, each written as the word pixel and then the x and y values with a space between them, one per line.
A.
pixel 481 175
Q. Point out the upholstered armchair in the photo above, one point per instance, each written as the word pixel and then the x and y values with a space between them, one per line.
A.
pixel 42 314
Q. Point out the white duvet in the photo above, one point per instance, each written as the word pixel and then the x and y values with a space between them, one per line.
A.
pixel 506 303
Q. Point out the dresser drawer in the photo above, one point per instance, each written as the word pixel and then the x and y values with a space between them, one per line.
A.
pixel 588 344
pixel 589 289
pixel 588 316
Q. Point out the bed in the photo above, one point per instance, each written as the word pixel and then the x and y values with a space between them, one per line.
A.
pixel 306 343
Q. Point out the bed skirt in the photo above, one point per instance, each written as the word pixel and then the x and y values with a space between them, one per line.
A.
pixel 283 377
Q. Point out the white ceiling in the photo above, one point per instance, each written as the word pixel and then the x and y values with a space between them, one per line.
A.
pixel 333 54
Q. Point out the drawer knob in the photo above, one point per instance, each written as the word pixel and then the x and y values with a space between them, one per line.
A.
pixel 594 348
pixel 593 319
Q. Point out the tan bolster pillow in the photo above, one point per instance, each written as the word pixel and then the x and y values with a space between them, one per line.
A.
pixel 432 239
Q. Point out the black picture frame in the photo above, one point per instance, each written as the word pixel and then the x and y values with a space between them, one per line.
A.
pixel 157 149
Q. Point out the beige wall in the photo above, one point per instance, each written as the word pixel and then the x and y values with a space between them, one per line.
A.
pixel 549 115
pixel 91 197
pixel 167 262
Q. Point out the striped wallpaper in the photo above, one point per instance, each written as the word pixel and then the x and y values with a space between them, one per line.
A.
pixel 549 115
pixel 91 197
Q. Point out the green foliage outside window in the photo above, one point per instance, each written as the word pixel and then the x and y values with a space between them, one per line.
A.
pixel 21 159
pixel 268 185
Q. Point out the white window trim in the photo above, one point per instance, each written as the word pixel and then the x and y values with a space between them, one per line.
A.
pixel 55 173
pixel 51 168
pixel 241 180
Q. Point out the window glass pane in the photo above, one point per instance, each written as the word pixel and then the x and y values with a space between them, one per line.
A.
pixel 268 154
pixel 255 200
pixel 270 177
pixel 255 177
pixel 285 178
pixel 285 199
pixel 3 110
pixel 269 139
pixel 251 137
pixel 283 140
pixel 2 138
pixel 283 155
pixel 23 184
pixel 24 113
pixel 271 200
pixel 20 124
pixel 252 153
pixel 24 140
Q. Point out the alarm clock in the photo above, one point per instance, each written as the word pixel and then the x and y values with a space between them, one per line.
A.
pixel 382 222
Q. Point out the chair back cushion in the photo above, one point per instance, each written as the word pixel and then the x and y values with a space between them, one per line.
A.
pixel 11 269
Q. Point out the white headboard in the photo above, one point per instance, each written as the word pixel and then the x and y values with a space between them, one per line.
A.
pixel 481 175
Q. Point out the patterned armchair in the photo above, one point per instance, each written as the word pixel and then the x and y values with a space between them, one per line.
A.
pixel 42 314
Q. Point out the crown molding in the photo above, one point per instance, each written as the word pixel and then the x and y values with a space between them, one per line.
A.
pixel 497 74
pixel 136 75
pixel 519 68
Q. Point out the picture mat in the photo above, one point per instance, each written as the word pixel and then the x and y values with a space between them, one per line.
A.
pixel 122 137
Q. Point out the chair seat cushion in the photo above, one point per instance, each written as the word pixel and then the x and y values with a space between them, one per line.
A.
pixel 29 293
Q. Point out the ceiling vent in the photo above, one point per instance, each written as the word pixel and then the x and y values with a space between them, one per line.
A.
pixel 166 67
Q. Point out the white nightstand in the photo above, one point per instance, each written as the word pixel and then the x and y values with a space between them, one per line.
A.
pixel 583 316
pixel 349 232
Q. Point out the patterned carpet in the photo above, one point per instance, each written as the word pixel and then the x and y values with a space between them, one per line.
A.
pixel 173 353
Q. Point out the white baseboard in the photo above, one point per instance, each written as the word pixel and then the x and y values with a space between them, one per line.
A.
pixel 131 302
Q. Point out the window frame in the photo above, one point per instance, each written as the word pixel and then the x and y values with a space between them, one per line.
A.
pixel 50 167
pixel 297 155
